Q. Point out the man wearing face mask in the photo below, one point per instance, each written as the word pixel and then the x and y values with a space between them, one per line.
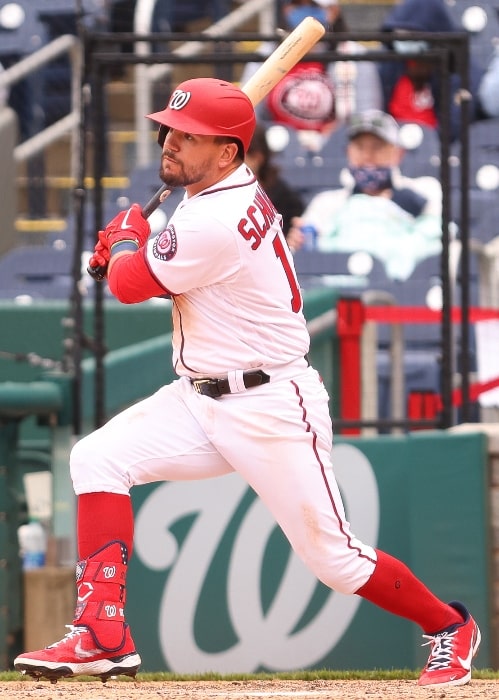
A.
pixel 394 218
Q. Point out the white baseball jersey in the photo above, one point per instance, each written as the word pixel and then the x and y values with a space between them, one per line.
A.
pixel 236 301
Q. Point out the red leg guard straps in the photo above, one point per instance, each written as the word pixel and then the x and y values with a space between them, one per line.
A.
pixel 100 582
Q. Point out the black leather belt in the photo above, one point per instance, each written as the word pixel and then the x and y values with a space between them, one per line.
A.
pixel 214 388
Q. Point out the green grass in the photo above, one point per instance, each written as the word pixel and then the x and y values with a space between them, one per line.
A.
pixel 325 674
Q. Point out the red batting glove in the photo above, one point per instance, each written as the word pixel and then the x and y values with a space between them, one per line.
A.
pixel 102 254
pixel 127 231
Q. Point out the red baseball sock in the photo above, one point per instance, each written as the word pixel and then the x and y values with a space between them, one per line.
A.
pixel 395 588
pixel 102 518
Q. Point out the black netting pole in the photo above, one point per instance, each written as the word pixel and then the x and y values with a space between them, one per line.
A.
pixel 447 368
pixel 79 196
pixel 100 150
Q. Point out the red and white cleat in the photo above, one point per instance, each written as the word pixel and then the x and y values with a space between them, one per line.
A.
pixel 452 652
pixel 76 654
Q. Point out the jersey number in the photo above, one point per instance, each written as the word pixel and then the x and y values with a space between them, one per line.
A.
pixel 292 281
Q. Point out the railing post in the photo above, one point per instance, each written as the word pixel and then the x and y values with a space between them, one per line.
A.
pixel 349 326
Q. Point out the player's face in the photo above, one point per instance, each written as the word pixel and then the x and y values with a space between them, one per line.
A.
pixel 192 161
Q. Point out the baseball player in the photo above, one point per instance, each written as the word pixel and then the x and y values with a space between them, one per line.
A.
pixel 246 399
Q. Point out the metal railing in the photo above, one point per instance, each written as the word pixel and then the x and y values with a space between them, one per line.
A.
pixel 66 44
pixel 145 77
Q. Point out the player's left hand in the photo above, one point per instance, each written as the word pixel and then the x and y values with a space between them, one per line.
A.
pixel 128 225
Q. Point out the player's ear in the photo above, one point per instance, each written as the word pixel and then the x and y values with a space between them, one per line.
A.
pixel 229 153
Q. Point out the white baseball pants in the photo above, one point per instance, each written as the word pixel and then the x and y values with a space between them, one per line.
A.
pixel 277 436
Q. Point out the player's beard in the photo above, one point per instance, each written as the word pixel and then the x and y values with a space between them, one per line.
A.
pixel 178 175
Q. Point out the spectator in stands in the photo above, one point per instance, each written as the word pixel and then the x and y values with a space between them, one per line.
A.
pixel 488 90
pixel 285 199
pixel 314 97
pixel 411 87
pixel 394 218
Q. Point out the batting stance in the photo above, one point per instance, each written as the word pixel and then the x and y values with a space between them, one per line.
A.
pixel 246 399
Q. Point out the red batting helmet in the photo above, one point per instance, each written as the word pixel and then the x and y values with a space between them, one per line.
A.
pixel 211 107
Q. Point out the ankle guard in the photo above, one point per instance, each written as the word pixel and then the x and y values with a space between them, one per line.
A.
pixel 100 606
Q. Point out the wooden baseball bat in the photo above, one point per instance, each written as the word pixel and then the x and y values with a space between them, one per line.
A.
pixel 272 71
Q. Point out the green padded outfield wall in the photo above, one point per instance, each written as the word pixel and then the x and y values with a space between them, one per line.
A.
pixel 40 327
pixel 214 587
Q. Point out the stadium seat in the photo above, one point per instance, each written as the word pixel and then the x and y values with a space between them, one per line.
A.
pixel 21 31
pixel 481 21
pixel 38 271
pixel 484 145
pixel 483 207
pixel 317 268
pixel 306 170
pixel 422 150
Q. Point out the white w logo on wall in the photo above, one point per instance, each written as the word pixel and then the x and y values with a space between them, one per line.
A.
pixel 273 613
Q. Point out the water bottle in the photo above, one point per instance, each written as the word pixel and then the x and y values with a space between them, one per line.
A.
pixel 32 544
pixel 310 234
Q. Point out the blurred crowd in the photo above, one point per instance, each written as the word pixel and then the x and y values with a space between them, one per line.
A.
pixel 353 106
pixel 378 208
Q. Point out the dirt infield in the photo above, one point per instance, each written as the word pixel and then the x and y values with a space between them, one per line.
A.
pixel 243 690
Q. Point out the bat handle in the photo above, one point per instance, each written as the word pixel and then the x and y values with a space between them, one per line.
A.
pixel 99 272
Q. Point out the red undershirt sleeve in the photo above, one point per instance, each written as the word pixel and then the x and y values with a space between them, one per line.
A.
pixel 131 281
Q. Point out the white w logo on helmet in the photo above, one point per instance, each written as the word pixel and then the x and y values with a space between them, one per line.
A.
pixel 179 99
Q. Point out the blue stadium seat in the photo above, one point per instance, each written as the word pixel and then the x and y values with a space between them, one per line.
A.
pixel 21 31
pixel 422 150
pixel 484 144
pixel 38 271
pixel 306 170
pixel 335 145
pixel 47 8
pixel 483 180
pixel 481 21
pixel 316 268
pixel 483 206
pixel 486 226
pixel 483 147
